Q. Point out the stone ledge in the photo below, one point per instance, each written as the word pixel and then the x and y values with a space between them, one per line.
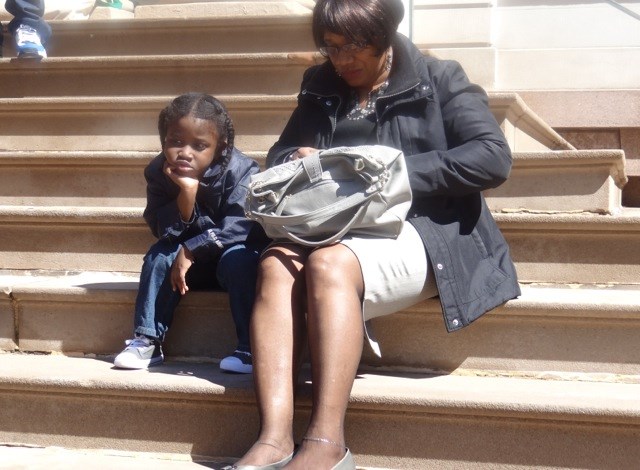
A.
pixel 586 330
pixel 576 109
pixel 224 9
pixel 258 119
pixel 394 420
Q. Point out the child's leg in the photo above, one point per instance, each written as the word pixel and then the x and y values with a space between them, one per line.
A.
pixel 156 300
pixel 237 273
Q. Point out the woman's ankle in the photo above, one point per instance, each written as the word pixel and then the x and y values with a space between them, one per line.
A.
pixel 266 451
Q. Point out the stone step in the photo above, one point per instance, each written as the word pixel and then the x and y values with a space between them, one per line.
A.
pixel 129 123
pixel 217 74
pixel 394 420
pixel 93 179
pixel 563 181
pixel 574 248
pixel 552 181
pixel 126 123
pixel 63 238
pixel 24 456
pixel 550 329
pixel 284 32
pixel 560 248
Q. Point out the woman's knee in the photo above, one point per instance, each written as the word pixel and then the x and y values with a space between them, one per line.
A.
pixel 335 265
pixel 281 263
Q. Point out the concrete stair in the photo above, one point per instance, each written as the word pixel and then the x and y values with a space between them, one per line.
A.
pixel 395 420
pixel 551 379
pixel 586 329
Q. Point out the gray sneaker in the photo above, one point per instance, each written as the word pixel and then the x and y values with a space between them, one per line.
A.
pixel 28 43
pixel 140 353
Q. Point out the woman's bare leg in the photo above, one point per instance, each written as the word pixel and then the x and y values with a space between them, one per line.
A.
pixel 335 335
pixel 277 338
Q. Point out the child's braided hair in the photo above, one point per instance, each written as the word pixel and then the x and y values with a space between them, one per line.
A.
pixel 201 106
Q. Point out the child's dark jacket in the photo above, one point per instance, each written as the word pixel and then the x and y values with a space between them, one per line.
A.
pixel 218 221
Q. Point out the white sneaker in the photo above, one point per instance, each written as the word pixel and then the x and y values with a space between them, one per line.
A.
pixel 28 43
pixel 140 353
pixel 239 362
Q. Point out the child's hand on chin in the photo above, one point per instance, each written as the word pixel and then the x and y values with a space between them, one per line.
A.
pixel 180 176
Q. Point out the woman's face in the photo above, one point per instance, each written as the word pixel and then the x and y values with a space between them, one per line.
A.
pixel 190 146
pixel 362 70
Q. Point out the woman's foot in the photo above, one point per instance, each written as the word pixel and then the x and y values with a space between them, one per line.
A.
pixel 317 453
pixel 266 452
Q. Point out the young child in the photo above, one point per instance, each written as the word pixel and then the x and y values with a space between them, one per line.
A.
pixel 195 206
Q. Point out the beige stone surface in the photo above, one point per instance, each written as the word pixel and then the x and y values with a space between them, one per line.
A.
pixel 630 140
pixel 565 329
pixel 479 63
pixel 574 248
pixel 181 36
pixel 216 74
pixel 584 329
pixel 562 181
pixel 125 123
pixel 394 420
pixel 7 324
pixel 108 13
pixel 221 9
pixel 14 457
pixel 565 25
pixel 128 123
pixel 73 239
pixel 587 180
pixel 569 69
pixel 113 179
pixel 456 24
pixel 547 246
pixel 589 108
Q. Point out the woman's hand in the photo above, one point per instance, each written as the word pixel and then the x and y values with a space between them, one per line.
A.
pixel 179 269
pixel 302 152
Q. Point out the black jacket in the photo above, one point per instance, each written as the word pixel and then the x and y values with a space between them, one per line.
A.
pixel 454 150
pixel 219 220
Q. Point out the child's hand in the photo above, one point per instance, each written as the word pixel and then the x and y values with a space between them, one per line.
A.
pixel 179 178
pixel 179 269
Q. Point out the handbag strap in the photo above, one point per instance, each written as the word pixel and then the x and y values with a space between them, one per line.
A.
pixel 332 238
pixel 287 221
pixel 322 213
pixel 313 167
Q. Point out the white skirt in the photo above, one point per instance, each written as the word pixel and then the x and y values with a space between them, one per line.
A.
pixel 396 275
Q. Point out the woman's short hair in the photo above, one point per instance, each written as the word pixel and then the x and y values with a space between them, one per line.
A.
pixel 370 22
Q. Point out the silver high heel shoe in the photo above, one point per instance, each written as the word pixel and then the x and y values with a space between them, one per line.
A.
pixel 272 466
pixel 346 463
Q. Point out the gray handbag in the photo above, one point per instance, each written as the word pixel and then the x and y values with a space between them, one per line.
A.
pixel 318 199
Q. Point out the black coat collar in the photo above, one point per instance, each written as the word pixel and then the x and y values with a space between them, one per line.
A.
pixel 324 81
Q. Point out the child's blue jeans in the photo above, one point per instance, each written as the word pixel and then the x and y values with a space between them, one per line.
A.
pixel 235 272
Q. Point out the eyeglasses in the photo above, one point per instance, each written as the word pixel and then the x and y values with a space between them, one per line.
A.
pixel 349 49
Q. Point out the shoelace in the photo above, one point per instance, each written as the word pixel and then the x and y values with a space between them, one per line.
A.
pixel 138 343
pixel 27 34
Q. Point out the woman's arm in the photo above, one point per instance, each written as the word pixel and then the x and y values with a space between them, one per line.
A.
pixel 478 156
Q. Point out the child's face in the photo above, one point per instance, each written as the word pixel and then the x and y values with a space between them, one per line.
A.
pixel 190 146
